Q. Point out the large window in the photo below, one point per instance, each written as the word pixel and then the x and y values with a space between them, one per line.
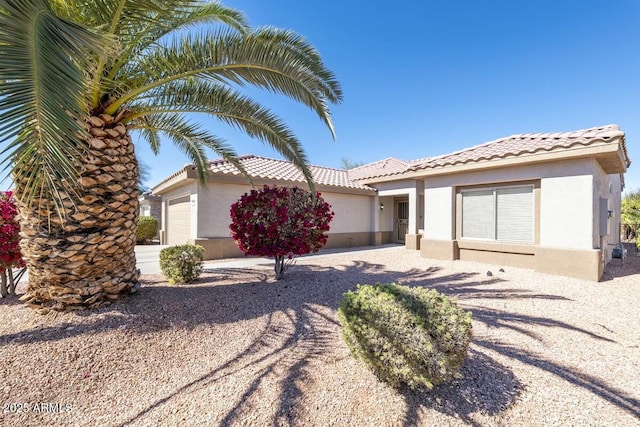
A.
pixel 504 214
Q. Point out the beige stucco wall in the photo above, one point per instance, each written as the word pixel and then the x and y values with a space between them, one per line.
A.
pixel 566 212
pixel 439 213
pixel 352 212
pixel 395 187
pixel 386 214
pixel 607 187
pixel 570 237
pixel 616 207
pixel 214 203
pixel 352 225
pixel 411 190
pixel 510 174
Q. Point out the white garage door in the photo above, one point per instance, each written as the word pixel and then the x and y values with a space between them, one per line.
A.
pixel 179 221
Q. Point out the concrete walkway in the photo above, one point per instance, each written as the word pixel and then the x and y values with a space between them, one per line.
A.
pixel 148 258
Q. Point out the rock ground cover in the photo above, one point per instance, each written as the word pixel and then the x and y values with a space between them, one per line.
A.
pixel 239 348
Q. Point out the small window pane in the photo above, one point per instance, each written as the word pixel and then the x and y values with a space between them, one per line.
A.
pixel 478 214
pixel 515 214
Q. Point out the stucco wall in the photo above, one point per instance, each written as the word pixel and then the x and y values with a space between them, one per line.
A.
pixel 395 187
pixel 389 192
pixel 214 203
pixel 519 173
pixel 352 212
pixel 439 213
pixel 566 211
pixel 386 214
pixel 607 187
pixel 615 205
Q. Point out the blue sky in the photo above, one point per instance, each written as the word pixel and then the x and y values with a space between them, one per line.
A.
pixel 423 78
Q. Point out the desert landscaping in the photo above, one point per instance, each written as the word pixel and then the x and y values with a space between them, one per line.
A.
pixel 240 348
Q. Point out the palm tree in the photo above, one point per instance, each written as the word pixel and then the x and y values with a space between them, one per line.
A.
pixel 77 77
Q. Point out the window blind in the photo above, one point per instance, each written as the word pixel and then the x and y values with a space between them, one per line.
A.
pixel 514 214
pixel 478 214
pixel 504 214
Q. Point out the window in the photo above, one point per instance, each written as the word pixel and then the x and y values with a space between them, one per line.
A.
pixel 503 214
pixel 146 211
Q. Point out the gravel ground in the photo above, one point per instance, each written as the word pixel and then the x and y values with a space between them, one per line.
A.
pixel 238 348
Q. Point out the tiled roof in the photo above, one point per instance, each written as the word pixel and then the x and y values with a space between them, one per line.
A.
pixel 389 166
pixel 517 145
pixel 282 170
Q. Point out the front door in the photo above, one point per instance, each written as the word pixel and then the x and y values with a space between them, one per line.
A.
pixel 402 220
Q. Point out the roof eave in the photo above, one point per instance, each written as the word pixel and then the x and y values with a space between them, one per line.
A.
pixel 610 156
pixel 178 179
pixel 228 178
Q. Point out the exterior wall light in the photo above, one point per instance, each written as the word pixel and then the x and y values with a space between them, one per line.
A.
pixel 381 206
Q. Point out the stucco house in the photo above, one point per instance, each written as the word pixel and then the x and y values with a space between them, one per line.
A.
pixel 193 212
pixel 545 201
pixel 150 205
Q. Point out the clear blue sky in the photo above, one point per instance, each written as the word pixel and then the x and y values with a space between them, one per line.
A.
pixel 423 78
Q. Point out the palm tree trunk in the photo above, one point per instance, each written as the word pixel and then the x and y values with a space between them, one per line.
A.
pixel 88 260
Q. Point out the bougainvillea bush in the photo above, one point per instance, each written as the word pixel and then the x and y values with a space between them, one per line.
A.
pixel 280 222
pixel 10 255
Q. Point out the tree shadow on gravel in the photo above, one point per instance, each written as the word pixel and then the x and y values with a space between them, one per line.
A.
pixel 297 334
pixel 485 386
pixel 596 386
pixel 10 300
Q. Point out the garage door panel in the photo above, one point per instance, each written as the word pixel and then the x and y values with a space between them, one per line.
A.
pixel 179 221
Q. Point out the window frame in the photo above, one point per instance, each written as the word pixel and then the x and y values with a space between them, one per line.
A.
pixel 494 189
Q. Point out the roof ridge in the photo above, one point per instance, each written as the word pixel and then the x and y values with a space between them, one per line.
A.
pixel 378 161
pixel 254 156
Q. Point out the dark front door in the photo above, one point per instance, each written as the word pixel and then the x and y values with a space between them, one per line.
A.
pixel 402 213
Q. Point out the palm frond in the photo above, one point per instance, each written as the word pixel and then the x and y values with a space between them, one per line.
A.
pixel 190 139
pixel 169 22
pixel 42 94
pixel 276 60
pixel 230 107
pixel 139 24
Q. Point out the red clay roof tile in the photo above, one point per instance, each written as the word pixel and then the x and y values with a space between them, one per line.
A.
pixel 517 145
pixel 282 170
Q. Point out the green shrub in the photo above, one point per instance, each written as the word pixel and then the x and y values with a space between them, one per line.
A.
pixel 412 336
pixel 181 263
pixel 147 228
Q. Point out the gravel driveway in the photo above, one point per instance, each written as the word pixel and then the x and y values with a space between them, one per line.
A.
pixel 238 348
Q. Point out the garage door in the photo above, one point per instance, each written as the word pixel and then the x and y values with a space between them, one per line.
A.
pixel 179 221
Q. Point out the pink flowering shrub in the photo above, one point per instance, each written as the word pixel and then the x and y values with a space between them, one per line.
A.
pixel 280 222
pixel 10 255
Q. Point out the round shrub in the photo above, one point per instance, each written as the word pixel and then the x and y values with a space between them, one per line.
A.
pixel 412 336
pixel 181 263
pixel 147 228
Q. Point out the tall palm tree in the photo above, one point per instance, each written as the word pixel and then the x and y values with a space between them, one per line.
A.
pixel 77 77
